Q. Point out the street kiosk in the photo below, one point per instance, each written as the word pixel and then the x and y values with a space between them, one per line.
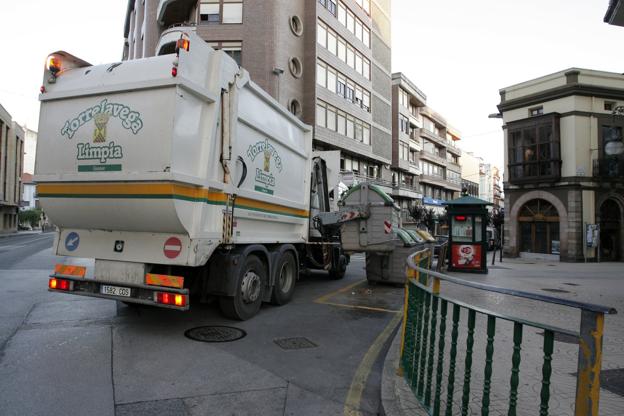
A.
pixel 467 250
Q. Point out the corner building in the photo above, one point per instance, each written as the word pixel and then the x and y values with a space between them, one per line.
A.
pixel 11 168
pixel 564 158
pixel 327 61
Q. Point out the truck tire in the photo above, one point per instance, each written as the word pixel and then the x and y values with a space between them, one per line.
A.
pixel 287 272
pixel 249 291
pixel 337 273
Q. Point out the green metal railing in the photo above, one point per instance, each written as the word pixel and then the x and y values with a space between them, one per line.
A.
pixel 424 353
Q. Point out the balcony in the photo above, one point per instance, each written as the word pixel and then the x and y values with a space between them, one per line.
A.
pixel 431 136
pixel 440 181
pixel 415 142
pixel 406 191
pixel 414 168
pixel 171 12
pixel 355 178
pixel 609 168
pixel 451 147
pixel 452 164
pixel 432 157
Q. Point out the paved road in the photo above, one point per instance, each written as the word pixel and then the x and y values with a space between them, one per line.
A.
pixel 69 355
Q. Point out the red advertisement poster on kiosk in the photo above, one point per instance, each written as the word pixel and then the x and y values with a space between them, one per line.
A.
pixel 466 256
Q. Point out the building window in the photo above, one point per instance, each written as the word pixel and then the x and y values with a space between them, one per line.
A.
pixel 221 11
pixel 337 83
pixel 365 5
pixel 403 151
pixel 537 111
pixel 321 111
pixel 404 124
pixel 233 49
pixel 321 74
pixel 296 25
pixel 321 35
pixel 404 98
pixel 345 124
pixel 295 107
pixel 534 150
pixel 337 46
pixel 609 105
pixel 295 66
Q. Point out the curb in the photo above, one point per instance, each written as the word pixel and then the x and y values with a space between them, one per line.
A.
pixel 396 396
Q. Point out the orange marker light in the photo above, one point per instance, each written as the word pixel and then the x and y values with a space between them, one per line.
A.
pixel 183 44
pixel 53 283
pixel 53 64
pixel 179 300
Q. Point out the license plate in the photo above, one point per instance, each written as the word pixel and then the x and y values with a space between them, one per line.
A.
pixel 115 290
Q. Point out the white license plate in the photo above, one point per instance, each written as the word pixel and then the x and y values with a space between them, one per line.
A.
pixel 115 290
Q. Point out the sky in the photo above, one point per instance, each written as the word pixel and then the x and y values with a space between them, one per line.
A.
pixel 460 53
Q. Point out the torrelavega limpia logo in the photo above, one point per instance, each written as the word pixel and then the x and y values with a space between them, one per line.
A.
pixel 264 178
pixel 101 114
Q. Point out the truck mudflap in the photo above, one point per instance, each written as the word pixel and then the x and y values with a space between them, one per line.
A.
pixel 164 297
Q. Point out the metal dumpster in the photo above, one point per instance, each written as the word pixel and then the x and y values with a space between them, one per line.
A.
pixel 375 219
pixel 389 267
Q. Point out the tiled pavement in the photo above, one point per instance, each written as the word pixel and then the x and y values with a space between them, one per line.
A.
pixel 594 283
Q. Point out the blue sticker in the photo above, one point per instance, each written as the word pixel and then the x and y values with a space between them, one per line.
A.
pixel 71 241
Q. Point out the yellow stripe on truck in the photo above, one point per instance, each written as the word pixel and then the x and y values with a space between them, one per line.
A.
pixel 159 190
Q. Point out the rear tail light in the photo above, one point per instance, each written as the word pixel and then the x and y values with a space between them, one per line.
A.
pixel 59 284
pixel 174 71
pixel 173 299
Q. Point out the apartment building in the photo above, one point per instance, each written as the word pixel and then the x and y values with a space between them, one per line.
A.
pixel 425 156
pixel 327 61
pixel 11 167
pixel 407 100
pixel 564 157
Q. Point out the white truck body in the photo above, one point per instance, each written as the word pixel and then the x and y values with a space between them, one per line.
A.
pixel 178 165
pixel 152 169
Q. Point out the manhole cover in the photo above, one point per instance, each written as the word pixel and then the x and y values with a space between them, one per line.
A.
pixel 215 334
pixel 296 343
pixel 565 338
pixel 555 290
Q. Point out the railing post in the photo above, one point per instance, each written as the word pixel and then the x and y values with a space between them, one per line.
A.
pixel 589 364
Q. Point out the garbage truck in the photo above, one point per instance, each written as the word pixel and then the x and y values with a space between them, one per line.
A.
pixel 182 179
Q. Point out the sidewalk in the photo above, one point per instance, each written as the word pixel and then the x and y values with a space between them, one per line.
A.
pixel 594 283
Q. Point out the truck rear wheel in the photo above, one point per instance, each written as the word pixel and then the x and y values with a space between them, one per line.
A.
pixel 249 291
pixel 338 272
pixel 285 280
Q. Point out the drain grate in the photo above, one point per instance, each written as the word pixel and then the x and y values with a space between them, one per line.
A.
pixel 215 334
pixel 565 338
pixel 296 343
pixel 555 290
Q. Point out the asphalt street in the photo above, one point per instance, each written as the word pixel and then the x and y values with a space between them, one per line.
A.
pixel 70 355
